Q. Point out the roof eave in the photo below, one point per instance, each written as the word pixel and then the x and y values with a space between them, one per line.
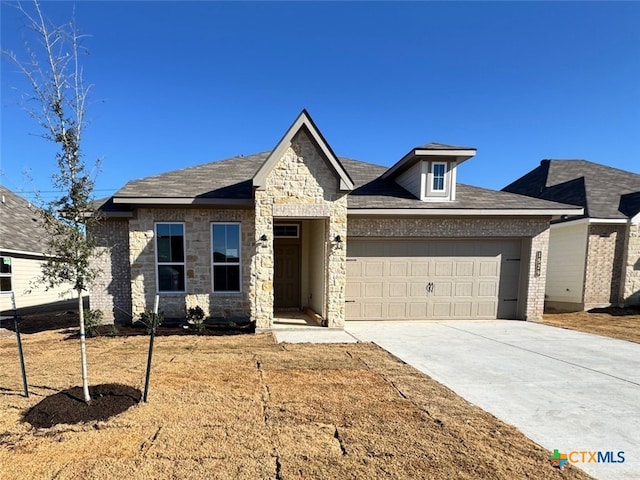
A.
pixel 440 212
pixel 164 201
pixel 417 154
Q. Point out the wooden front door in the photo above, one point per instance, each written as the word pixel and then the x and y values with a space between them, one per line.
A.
pixel 287 274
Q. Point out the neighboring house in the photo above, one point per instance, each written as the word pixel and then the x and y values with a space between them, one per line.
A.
pixel 594 258
pixel 22 247
pixel 298 227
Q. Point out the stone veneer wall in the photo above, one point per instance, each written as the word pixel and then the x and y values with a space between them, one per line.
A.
pixel 111 292
pixel 301 185
pixel 603 269
pixel 198 261
pixel 536 229
pixel 631 289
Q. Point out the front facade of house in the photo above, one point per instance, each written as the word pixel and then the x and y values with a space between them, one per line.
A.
pixel 594 258
pixel 299 228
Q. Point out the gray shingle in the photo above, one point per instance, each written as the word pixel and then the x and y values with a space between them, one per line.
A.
pixel 222 179
pixel 20 224
pixel 231 179
pixel 604 192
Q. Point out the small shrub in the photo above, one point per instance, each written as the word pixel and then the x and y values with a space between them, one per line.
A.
pixel 92 322
pixel 147 317
pixel 195 316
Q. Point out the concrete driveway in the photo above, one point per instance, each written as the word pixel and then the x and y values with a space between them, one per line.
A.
pixel 566 390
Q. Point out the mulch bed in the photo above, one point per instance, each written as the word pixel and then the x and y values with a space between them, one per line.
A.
pixel 69 407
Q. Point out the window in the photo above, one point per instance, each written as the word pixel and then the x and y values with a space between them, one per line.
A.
pixel 170 256
pixel 5 274
pixel 438 171
pixel 282 230
pixel 225 242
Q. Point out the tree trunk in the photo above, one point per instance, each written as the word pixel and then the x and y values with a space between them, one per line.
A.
pixel 83 349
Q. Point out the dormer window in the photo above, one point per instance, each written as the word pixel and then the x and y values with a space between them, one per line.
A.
pixel 437 180
pixel 429 171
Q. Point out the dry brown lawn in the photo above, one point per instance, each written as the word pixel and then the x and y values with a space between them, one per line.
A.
pixel 621 323
pixel 245 407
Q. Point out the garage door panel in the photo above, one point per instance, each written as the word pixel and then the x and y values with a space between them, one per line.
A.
pixel 389 279
pixel 443 269
pixel 398 269
pixel 441 310
pixel 373 290
pixel 372 310
pixel 462 309
pixel 464 269
pixel 353 310
pixel 418 290
pixel 354 268
pixel 353 290
pixel 464 289
pixel 489 269
pixel 417 310
pixel 442 289
pixel 397 310
pixel 419 268
pixel 398 290
pixel 374 269
pixel 487 289
pixel 486 309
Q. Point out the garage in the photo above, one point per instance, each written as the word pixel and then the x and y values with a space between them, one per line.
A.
pixel 432 279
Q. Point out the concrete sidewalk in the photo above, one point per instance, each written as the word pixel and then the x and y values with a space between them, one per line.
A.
pixel 565 390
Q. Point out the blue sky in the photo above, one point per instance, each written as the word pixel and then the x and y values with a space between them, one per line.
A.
pixel 183 83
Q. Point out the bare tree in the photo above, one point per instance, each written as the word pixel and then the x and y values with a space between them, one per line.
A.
pixel 57 100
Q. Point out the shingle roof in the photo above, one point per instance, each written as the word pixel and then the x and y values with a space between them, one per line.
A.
pixel 20 224
pixel 231 179
pixel 604 192
pixel 374 192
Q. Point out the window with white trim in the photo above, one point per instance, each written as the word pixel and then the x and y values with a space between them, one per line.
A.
pixel 226 255
pixel 5 274
pixel 438 171
pixel 170 257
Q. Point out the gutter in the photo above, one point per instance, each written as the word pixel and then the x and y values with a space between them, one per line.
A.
pixel 442 212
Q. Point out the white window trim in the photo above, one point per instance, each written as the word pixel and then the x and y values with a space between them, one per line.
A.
pixel 433 177
pixel 296 225
pixel 239 263
pixel 8 275
pixel 183 263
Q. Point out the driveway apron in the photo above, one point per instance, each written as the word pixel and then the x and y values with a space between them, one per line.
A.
pixel 566 390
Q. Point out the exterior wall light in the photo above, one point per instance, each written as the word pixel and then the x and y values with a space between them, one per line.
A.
pixel 262 241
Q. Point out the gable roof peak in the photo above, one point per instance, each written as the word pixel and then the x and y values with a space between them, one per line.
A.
pixel 304 121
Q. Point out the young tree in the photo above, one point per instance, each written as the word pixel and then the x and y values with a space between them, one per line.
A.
pixel 57 100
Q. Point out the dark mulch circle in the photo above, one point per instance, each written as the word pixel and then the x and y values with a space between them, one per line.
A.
pixel 69 407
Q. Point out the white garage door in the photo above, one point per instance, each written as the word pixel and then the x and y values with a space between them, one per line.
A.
pixel 432 279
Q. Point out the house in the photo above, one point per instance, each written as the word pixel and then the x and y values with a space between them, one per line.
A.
pixel 298 227
pixel 594 258
pixel 22 247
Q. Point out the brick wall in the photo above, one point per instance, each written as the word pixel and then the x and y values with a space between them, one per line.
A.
pixel 603 270
pixel 197 222
pixel 111 292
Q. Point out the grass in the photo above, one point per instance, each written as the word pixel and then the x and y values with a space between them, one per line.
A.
pixel 620 323
pixel 245 407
